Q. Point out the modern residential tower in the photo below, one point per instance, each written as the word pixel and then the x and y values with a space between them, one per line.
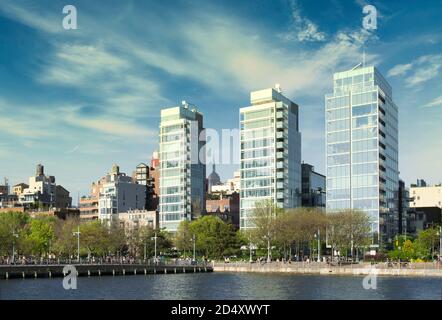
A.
pixel 362 149
pixel 182 166
pixel 270 153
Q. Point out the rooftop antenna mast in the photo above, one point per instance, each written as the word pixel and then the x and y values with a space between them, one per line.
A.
pixel 361 64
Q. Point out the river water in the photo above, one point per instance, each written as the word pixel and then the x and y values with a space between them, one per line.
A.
pixel 224 286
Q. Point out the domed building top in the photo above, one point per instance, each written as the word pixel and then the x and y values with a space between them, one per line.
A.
pixel 213 179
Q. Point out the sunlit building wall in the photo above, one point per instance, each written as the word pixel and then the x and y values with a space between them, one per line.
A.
pixel 270 153
pixel 182 166
pixel 362 149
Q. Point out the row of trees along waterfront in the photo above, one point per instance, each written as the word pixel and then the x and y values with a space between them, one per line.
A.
pixel 278 234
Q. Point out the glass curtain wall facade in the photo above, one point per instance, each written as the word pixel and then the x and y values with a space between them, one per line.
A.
pixel 270 153
pixel 362 149
pixel 182 168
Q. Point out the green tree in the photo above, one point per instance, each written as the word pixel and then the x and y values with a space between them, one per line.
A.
pixel 182 237
pixel 427 243
pixel 302 224
pixel 116 239
pixel 94 237
pixel 133 240
pixel 408 250
pixel 348 229
pixel 265 222
pixel 284 235
pixel 41 235
pixel 214 238
pixel 66 243
pixel 145 241
pixel 12 231
pixel 404 250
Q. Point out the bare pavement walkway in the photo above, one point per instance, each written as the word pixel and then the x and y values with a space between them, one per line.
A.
pixel 428 269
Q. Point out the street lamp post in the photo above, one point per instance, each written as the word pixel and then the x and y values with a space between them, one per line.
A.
pixel 155 250
pixel 440 243
pixel 250 248
pixel 318 237
pixel 145 251
pixel 352 247
pixel 14 235
pixel 78 243
pixel 193 240
pixel 267 238
pixel 49 250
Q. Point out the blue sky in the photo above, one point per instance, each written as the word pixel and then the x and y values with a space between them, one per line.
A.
pixel 80 100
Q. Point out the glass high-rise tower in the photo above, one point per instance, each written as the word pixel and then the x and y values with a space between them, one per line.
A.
pixel 182 166
pixel 270 153
pixel 362 148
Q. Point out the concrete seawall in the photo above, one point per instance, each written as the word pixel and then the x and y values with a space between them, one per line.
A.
pixel 323 269
pixel 85 270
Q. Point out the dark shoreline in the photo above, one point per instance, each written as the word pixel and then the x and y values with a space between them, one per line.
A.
pixel 85 270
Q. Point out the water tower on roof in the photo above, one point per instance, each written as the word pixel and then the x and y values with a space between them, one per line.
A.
pixel 39 170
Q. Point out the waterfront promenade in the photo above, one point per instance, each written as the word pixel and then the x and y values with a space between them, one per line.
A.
pixel 85 270
pixel 382 269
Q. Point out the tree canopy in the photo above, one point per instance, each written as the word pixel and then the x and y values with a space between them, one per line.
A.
pixel 213 237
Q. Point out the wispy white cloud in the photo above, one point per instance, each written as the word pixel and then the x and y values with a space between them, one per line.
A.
pixel 111 127
pixel 30 124
pixel 24 128
pixel 223 55
pixel 301 28
pixel 116 81
pixel 428 67
pixel 107 125
pixel 74 65
pixel 92 59
pixel 72 150
pixel 399 69
pixel 420 70
pixel 12 123
pixel 127 71
pixel 26 14
pixel 229 54
pixel 434 103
